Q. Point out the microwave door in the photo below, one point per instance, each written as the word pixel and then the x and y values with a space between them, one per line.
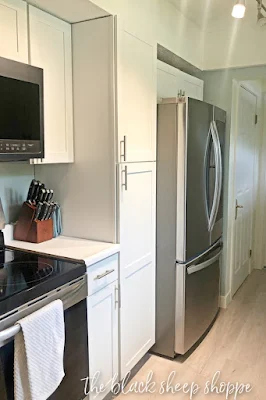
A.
pixel 21 111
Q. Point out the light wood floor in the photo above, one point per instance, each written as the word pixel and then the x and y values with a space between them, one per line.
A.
pixel 236 346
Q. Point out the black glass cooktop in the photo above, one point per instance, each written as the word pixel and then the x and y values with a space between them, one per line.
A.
pixel 25 276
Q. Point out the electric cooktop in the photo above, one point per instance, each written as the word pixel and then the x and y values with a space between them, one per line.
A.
pixel 25 276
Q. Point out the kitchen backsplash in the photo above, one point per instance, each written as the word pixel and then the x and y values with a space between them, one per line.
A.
pixel 14 184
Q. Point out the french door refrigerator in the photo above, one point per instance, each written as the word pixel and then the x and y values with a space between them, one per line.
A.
pixel 190 147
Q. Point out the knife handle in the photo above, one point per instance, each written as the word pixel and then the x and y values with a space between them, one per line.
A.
pixel 50 211
pixel 42 194
pixel 31 190
pixel 45 210
pixel 47 194
pixel 50 195
pixel 38 211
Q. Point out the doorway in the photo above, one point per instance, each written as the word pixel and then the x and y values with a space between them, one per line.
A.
pixel 246 134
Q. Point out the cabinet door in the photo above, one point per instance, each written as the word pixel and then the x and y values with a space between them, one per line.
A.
pixel 50 49
pixel 13 30
pixel 136 77
pixel 170 81
pixel 166 84
pixel 137 262
pixel 103 338
pixel 192 86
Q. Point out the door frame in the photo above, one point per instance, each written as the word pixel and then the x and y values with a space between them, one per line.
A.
pixel 257 252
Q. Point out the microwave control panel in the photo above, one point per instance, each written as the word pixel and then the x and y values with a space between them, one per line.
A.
pixel 13 146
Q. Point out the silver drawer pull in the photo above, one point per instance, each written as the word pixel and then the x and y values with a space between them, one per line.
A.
pixel 124 154
pixel 104 274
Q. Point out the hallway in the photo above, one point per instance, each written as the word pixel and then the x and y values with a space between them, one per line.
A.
pixel 236 346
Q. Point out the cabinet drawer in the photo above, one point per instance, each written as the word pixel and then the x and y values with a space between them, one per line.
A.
pixel 102 273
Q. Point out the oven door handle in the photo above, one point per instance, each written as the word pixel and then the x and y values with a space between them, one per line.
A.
pixel 9 332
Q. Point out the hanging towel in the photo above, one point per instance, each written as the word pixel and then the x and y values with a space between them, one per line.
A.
pixel 39 353
pixel 57 222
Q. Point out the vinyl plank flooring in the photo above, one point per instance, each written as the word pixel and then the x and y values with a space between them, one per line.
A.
pixel 235 346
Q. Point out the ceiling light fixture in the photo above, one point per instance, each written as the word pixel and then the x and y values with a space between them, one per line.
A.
pixel 239 9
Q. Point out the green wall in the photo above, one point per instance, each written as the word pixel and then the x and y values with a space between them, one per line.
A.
pixel 14 183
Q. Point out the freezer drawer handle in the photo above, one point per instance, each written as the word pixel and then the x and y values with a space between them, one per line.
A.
pixel 104 274
pixel 196 268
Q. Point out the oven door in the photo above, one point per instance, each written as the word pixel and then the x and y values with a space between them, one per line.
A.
pixel 76 363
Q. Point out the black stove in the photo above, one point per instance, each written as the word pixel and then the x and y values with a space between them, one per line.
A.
pixel 24 276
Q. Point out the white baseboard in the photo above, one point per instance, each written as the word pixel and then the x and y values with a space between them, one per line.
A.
pixel 225 300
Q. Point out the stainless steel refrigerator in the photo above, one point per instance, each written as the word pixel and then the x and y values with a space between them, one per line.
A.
pixel 190 147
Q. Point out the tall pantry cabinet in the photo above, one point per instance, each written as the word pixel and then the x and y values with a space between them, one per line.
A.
pixel 115 105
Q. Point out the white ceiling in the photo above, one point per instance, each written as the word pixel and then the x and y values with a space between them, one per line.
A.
pixel 203 12
pixel 70 10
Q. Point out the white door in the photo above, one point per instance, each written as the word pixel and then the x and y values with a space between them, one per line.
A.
pixel 137 261
pixel 14 30
pixel 102 309
pixel 136 78
pixel 244 174
pixel 50 49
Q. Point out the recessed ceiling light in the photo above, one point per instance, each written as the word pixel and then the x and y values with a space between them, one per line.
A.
pixel 239 9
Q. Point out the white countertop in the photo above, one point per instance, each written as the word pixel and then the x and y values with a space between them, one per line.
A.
pixel 88 251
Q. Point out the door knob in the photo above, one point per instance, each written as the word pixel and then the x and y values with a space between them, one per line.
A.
pixel 237 207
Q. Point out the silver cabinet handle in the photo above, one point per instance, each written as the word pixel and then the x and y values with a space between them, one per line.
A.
pixel 104 274
pixel 125 172
pixel 116 297
pixel 124 154
pixel 196 268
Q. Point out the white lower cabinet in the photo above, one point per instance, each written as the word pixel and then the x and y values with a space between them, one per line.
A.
pixel 137 261
pixel 102 311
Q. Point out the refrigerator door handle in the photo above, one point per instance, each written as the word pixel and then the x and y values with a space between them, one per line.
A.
pixel 215 203
pixel 196 268
pixel 219 175
pixel 220 163
pixel 207 177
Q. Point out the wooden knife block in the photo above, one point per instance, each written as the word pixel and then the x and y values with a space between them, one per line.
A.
pixel 29 230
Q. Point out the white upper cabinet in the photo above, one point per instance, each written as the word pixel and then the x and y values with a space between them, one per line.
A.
pixel 136 79
pixel 171 81
pixel 166 84
pixel 14 30
pixel 50 49
pixel 192 86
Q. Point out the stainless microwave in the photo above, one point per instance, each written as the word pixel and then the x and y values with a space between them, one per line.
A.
pixel 21 111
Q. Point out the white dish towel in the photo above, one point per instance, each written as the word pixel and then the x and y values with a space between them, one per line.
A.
pixel 39 353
